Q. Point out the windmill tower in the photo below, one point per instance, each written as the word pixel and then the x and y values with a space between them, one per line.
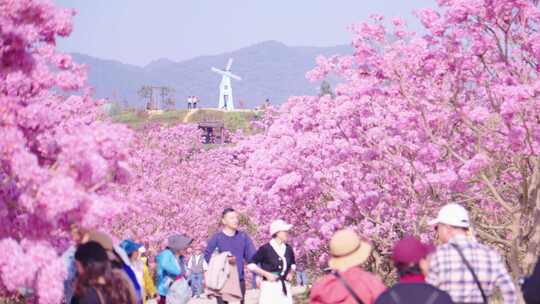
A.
pixel 226 100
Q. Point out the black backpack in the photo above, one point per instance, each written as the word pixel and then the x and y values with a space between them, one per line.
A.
pixel 414 293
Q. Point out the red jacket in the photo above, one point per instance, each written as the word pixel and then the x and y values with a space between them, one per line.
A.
pixel 330 290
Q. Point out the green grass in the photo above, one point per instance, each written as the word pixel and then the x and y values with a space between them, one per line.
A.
pixel 233 120
pixel 237 120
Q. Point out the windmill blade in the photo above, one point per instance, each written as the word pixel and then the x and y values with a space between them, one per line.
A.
pixel 234 76
pixel 226 73
pixel 229 64
pixel 218 71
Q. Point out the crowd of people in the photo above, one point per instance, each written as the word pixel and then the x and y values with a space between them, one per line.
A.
pixel 458 270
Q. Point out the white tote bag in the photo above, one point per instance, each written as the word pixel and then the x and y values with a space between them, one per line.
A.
pixel 179 293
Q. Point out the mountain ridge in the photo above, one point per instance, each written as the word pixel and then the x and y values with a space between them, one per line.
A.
pixel 269 69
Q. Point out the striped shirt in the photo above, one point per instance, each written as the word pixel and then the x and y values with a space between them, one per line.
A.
pixel 448 272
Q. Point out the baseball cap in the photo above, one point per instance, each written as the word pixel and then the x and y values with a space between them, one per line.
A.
pixel 453 215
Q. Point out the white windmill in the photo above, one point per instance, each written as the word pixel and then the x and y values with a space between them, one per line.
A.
pixel 226 100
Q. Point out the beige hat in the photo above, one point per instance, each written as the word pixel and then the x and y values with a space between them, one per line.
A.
pixel 100 237
pixel 104 240
pixel 347 250
pixel 279 225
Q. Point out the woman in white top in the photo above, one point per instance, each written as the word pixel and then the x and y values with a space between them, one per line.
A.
pixel 276 263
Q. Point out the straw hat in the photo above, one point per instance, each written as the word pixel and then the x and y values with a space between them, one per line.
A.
pixel 100 237
pixel 347 250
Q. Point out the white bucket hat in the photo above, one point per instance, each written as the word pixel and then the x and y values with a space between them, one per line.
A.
pixel 452 215
pixel 279 225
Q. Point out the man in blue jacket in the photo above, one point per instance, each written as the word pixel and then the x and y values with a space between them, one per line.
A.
pixel 236 242
pixel 171 264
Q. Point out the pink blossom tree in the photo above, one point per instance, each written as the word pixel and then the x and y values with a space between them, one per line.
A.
pixel 451 114
pixel 59 160
pixel 179 186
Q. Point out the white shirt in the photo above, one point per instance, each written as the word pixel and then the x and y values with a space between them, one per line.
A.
pixel 197 258
pixel 280 250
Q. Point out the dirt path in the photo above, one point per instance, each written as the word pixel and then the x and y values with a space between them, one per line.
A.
pixel 251 297
pixel 189 114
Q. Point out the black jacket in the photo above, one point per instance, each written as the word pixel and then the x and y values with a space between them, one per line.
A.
pixel 414 293
pixel 531 287
pixel 268 259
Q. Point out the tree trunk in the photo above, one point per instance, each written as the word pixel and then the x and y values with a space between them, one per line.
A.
pixel 533 200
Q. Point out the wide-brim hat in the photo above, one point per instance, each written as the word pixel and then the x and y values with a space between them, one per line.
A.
pixel 348 250
pixel 179 242
pixel 104 240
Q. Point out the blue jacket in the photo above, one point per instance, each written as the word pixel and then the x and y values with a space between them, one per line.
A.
pixel 169 267
pixel 240 245
pixel 69 259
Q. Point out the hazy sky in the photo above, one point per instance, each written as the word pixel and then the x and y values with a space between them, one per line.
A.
pixel 139 31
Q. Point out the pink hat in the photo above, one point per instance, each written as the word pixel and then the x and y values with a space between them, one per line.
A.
pixel 411 250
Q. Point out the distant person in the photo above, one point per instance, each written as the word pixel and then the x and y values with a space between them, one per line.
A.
pixel 301 272
pixel 171 270
pixel 69 258
pixel 411 257
pixel 195 101
pixel 190 102
pixel 236 242
pixel 197 266
pixel 348 283
pixel 149 286
pixel 267 103
pixel 469 271
pixel 134 251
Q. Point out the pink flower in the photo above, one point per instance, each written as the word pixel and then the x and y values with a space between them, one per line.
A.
pixel 478 114
pixel 50 281
pixel 443 178
pixel 286 182
pixel 509 108
pixel 13 275
pixel 478 163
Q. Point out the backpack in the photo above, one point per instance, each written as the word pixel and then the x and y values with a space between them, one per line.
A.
pixel 218 271
pixel 418 293
pixel 179 293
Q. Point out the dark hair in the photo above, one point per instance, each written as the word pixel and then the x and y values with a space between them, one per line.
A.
pixel 274 235
pixel 90 252
pixel 99 275
pixel 404 269
pixel 226 211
